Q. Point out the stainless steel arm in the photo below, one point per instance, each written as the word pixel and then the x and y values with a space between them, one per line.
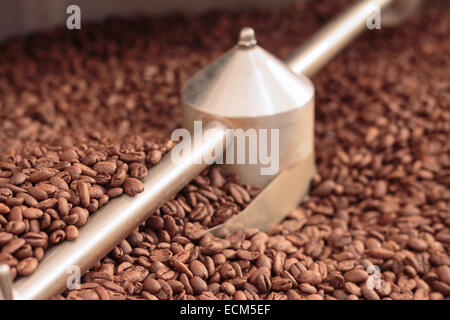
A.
pixel 109 225
pixel 331 39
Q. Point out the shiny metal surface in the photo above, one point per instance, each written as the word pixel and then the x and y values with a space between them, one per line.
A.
pixel 5 283
pixel 248 88
pixel 246 82
pixel 399 11
pixel 296 139
pixel 108 226
pixel 331 39
pixel 270 207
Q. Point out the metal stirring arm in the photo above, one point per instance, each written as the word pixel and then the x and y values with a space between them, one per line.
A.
pixel 312 55
pixel 108 226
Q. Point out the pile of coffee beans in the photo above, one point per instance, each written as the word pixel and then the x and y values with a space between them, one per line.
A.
pixel 376 225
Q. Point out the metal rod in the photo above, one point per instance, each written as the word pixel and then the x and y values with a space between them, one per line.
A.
pixel 336 35
pixel 5 283
pixel 108 226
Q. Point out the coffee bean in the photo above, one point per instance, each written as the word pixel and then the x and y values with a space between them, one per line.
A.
pixel 310 277
pixel 13 245
pixel 38 193
pixel 198 269
pixel 132 186
pixel 108 167
pixel 83 190
pixel 198 284
pixel 356 275
pixel 380 253
pixel 32 213
pixel 27 266
pixel 418 244
pixel 41 175
pixel 5 237
pixel 18 178
pixel 71 232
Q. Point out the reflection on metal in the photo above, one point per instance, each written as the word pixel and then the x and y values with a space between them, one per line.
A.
pixel 331 39
pixel 270 207
pixel 5 283
pixel 109 225
pixel 250 89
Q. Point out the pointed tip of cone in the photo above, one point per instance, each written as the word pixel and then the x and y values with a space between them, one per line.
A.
pixel 246 82
pixel 247 37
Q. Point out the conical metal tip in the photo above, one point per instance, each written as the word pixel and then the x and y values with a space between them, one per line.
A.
pixel 247 37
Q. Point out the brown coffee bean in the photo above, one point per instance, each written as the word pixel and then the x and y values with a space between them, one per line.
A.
pixel 28 199
pixel 41 175
pixel 83 191
pixel 324 189
pixel 226 271
pixel 198 284
pixel 352 289
pixel 418 244
pixel 32 213
pixel 71 232
pixel 356 276
pixel 4 209
pixel 115 192
pixel 36 239
pixel 13 245
pixel 132 186
pixel 27 266
pixel 18 178
pixel 57 236
pixel 38 193
pixel 380 253
pixel 198 269
pixel 15 227
pixel 369 294
pixel 154 156
pixel 246 255
pixel 310 277
pixel 138 171
pixel 5 237
pixel 108 167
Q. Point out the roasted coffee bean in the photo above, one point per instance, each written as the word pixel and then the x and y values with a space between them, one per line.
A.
pixel 13 245
pixel 27 266
pixel 138 171
pixel 32 213
pixel 108 167
pixel 4 209
pixel 41 175
pixel 71 232
pixel 198 285
pixel 198 269
pixel 356 275
pixel 83 191
pixel 310 277
pixel 18 178
pixel 38 193
pixel 132 186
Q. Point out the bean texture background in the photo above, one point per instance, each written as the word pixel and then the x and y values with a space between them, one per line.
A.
pixel 85 115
